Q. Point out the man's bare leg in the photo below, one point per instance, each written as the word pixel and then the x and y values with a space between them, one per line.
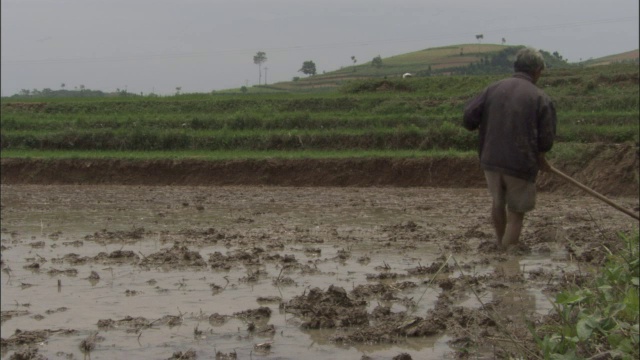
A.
pixel 499 217
pixel 513 228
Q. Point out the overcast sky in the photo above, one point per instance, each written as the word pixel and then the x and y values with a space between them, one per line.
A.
pixel 204 45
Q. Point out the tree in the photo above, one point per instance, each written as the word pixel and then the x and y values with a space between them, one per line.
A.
pixel 63 85
pixel 377 61
pixel 259 58
pixel 479 37
pixel 308 68
pixel 353 58
pixel 557 55
pixel 504 41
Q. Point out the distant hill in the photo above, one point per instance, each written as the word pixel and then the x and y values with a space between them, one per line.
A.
pixel 448 60
pixel 629 56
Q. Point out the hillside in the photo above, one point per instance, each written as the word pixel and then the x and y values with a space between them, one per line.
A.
pixel 462 59
pixel 419 62
pixel 629 56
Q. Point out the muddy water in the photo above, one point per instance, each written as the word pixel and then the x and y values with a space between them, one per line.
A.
pixel 345 237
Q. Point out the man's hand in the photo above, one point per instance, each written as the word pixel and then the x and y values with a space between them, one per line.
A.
pixel 543 164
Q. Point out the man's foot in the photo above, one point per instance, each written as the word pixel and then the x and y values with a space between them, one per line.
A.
pixel 489 247
pixel 517 248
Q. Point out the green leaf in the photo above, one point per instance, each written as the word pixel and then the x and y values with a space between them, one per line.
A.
pixel 606 290
pixel 615 339
pixel 626 346
pixel 607 324
pixel 570 355
pixel 615 308
pixel 635 281
pixel 568 299
pixel 585 327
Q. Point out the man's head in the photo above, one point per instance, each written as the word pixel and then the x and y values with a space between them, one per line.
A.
pixel 530 61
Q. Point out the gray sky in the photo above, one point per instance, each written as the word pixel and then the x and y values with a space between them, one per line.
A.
pixel 199 45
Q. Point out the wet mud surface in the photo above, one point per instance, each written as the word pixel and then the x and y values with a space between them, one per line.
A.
pixel 263 272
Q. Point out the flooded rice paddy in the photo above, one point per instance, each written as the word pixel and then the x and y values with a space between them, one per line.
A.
pixel 159 272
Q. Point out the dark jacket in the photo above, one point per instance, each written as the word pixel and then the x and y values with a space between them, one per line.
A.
pixel 517 121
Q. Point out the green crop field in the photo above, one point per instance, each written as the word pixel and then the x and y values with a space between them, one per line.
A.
pixel 375 116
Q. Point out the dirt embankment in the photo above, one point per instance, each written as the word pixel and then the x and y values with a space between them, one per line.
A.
pixel 608 169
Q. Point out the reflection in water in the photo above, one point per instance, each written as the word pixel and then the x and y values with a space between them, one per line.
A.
pixel 323 336
pixel 519 300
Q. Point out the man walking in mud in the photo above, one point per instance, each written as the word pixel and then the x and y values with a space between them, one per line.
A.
pixel 517 125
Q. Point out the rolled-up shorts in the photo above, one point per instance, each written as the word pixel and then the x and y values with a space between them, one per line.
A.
pixel 519 195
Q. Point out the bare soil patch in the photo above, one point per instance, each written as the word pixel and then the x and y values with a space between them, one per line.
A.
pixel 608 169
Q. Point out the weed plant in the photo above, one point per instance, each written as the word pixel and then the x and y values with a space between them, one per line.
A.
pixel 599 320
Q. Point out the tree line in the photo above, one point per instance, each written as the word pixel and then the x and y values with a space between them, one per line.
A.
pixel 64 93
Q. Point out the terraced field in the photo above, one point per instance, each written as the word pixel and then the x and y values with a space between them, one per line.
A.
pixel 417 115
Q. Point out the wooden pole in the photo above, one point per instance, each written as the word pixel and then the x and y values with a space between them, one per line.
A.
pixel 592 192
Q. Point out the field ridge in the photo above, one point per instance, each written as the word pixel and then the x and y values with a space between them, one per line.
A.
pixel 609 169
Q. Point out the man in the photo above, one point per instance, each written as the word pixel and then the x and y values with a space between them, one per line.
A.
pixel 517 126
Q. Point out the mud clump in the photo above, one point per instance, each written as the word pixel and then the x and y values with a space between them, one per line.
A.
pixel 67 272
pixel 431 269
pixel 402 356
pixel 175 256
pixel 117 257
pixel 7 315
pixel 228 356
pixel 269 299
pixel 220 261
pixel 20 337
pixel 27 354
pixel 105 236
pixel 217 319
pixel 128 322
pixel 329 309
pixel 334 309
pixel 187 355
pixel 136 324
pixel 262 312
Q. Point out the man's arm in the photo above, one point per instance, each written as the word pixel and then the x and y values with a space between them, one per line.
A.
pixel 546 126
pixel 473 112
pixel 543 165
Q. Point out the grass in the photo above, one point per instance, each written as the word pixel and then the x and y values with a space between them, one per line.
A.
pixel 231 155
pixel 561 152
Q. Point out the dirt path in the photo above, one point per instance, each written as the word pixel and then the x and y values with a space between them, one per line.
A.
pixel 159 272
